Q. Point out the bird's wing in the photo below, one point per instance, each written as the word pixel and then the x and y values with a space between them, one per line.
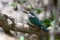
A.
pixel 36 22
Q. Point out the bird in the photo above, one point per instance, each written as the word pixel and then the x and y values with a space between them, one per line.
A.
pixel 34 21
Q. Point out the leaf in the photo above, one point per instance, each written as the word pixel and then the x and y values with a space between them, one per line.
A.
pixel 52 16
pixel 38 11
pixel 47 22
pixel 21 37
pixel 13 4
pixel 59 19
pixel 52 23
pixel 22 1
pixel 29 6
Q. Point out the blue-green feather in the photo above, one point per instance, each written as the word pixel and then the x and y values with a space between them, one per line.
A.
pixel 36 22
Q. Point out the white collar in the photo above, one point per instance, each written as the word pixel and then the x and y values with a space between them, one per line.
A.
pixel 30 15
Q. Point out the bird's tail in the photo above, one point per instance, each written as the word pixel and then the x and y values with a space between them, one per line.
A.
pixel 45 29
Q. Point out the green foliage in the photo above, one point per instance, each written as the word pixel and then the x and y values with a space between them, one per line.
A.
pixel 21 37
pixel 56 39
pixel 30 7
pixel 14 4
pixel 59 19
pixel 46 22
pixel 52 16
pixel 47 37
pixel 49 21
pixel 52 23
pixel 38 10
pixel 21 1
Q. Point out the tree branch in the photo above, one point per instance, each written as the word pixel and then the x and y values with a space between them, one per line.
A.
pixel 18 26
pixel 28 29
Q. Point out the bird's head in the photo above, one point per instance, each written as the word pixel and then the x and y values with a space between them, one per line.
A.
pixel 32 13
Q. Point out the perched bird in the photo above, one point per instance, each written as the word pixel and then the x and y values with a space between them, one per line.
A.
pixel 34 21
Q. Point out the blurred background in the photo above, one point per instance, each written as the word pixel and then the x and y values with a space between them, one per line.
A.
pixel 47 11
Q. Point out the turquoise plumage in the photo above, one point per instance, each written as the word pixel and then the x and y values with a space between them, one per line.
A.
pixel 33 20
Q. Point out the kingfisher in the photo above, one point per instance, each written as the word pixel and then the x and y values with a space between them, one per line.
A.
pixel 34 21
